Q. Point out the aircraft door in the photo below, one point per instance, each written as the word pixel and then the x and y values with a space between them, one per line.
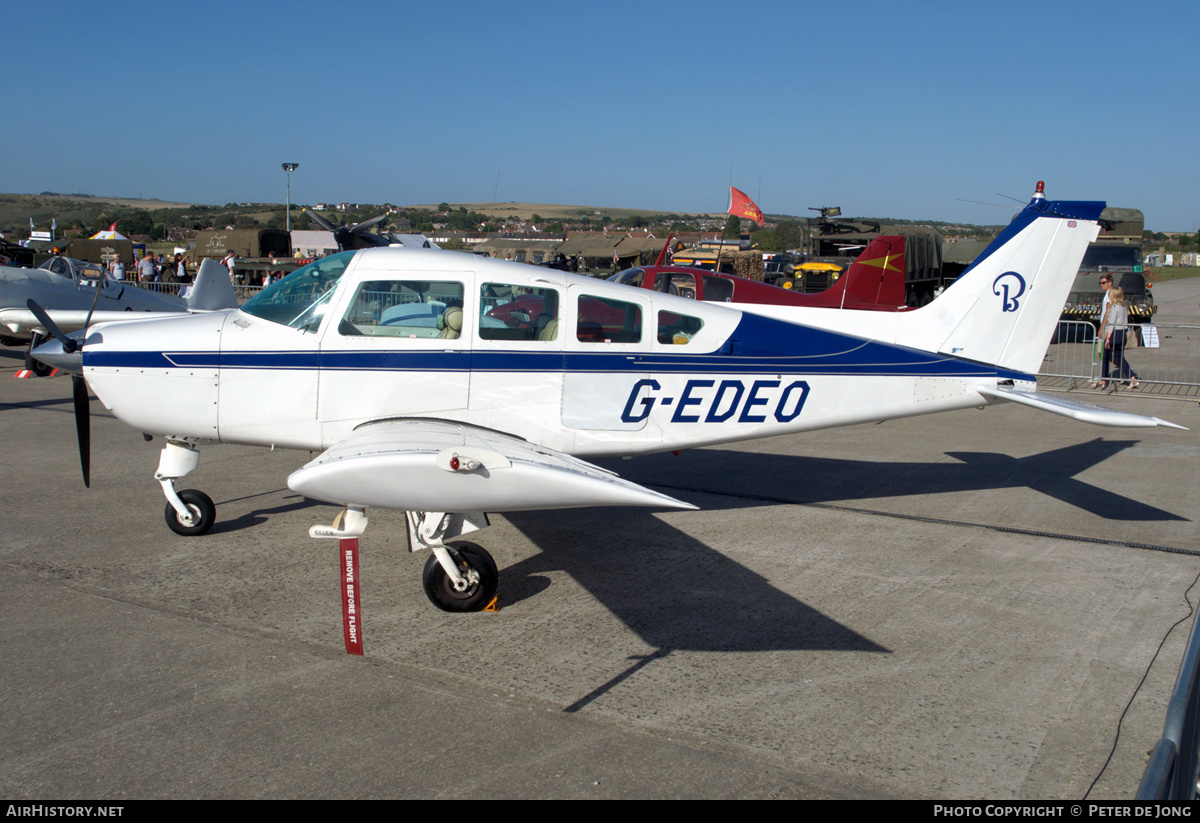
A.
pixel 607 382
pixel 398 345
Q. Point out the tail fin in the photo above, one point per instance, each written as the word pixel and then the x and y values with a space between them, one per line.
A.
pixel 213 290
pixel 875 281
pixel 1004 308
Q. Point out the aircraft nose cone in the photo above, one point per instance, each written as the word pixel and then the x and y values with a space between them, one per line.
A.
pixel 51 353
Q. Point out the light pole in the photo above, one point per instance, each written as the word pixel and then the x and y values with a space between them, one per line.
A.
pixel 289 168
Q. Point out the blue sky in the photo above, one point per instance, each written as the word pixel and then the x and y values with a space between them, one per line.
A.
pixel 886 109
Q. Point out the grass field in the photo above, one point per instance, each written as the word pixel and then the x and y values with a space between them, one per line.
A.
pixel 1172 273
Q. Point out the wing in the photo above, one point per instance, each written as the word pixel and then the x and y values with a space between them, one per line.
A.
pixel 438 465
pixel 69 320
pixel 1075 409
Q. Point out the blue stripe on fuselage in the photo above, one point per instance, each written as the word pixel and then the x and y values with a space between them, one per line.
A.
pixel 759 345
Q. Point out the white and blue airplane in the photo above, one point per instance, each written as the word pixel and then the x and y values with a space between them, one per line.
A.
pixel 447 386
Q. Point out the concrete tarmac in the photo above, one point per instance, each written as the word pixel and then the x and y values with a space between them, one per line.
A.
pixel 984 604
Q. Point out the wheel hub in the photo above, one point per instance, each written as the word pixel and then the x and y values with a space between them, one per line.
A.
pixel 470 578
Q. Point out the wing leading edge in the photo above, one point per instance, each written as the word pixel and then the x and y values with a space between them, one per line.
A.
pixel 1075 409
pixel 437 465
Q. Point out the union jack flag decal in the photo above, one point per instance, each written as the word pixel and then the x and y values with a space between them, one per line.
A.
pixel 1070 224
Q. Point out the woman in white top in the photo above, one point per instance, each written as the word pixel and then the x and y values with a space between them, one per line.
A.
pixel 1116 332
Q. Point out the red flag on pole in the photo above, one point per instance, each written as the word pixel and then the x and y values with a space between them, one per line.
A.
pixel 743 206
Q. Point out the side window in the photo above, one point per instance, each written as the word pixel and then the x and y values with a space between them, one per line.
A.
pixel 677 329
pixel 508 312
pixel 683 284
pixel 604 320
pixel 630 277
pixel 405 308
pixel 717 290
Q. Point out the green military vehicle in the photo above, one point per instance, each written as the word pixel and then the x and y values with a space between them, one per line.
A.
pixel 245 243
pixel 1118 253
pixel 102 252
pixel 840 242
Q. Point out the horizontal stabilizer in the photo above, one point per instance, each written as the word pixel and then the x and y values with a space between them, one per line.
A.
pixel 1076 409
pixel 438 465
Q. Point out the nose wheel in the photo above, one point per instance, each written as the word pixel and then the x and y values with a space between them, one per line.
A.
pixel 202 514
pixel 477 587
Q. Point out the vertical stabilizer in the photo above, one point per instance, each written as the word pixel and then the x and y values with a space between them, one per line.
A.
pixel 1004 308
pixel 876 279
pixel 213 290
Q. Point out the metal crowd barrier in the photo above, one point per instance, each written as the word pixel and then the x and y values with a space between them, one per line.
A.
pixel 1174 763
pixel 1166 357
pixel 243 293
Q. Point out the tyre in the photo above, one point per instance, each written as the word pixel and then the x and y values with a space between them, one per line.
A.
pixel 473 563
pixel 204 514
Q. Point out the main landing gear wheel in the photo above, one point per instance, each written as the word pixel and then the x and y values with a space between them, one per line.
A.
pixel 476 565
pixel 204 514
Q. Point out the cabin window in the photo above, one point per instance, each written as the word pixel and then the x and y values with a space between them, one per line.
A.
pixel 681 284
pixel 677 329
pixel 629 277
pixel 405 308
pixel 510 312
pixel 604 320
pixel 717 290
pixel 58 266
pixel 300 299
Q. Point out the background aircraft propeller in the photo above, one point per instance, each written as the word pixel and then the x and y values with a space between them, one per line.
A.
pixel 357 236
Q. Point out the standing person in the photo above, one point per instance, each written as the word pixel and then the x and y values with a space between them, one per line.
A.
pixel 1116 332
pixel 230 262
pixel 146 269
pixel 118 270
pixel 1106 285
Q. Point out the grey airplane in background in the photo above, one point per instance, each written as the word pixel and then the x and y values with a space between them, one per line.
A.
pixel 72 291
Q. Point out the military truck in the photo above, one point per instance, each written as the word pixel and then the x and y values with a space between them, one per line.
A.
pixel 1118 253
pixel 730 259
pixel 102 252
pixel 839 242
pixel 246 243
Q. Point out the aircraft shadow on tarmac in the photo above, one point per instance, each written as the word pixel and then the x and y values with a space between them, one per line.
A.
pixel 259 516
pixel 748 478
pixel 676 592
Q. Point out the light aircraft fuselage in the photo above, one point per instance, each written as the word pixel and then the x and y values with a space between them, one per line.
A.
pixel 604 369
pixel 447 385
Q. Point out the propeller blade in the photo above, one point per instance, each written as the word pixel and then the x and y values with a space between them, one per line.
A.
pixel 68 344
pixel 359 228
pixel 83 426
pixel 95 299
pixel 320 221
